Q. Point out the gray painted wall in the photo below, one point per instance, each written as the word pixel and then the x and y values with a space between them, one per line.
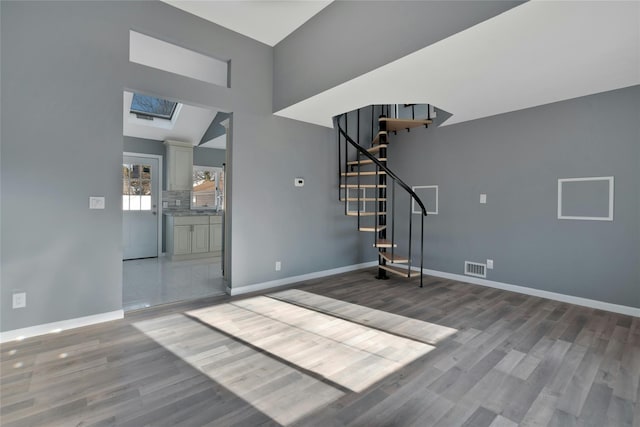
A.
pixel 516 159
pixel 66 64
pixel 325 51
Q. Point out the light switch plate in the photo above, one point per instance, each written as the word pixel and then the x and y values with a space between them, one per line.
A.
pixel 489 264
pixel 165 204
pixel 483 199
pixel 178 202
pixel 96 202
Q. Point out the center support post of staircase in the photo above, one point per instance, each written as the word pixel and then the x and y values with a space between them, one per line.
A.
pixel 382 199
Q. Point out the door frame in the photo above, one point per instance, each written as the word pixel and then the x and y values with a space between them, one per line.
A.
pixel 158 157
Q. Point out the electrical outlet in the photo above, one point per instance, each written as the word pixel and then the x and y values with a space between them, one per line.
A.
pixel 19 299
pixel 490 264
pixel 483 199
pixel 278 265
pixel 178 202
pixel 299 182
pixel 165 204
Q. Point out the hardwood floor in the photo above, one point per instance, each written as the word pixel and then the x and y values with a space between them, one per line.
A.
pixel 343 350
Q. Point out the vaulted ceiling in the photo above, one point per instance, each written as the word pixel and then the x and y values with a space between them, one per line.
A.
pixel 536 53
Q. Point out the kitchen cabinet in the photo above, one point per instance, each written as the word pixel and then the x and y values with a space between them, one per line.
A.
pixel 187 237
pixel 193 236
pixel 181 239
pixel 179 165
pixel 200 239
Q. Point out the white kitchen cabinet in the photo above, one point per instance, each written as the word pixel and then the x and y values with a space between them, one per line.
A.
pixel 200 239
pixel 179 165
pixel 181 240
pixel 188 237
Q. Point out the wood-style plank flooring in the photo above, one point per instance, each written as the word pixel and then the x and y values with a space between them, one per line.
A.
pixel 343 350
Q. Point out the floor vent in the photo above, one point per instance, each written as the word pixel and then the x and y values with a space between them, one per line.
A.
pixel 475 269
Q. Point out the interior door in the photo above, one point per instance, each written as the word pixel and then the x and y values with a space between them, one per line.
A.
pixel 140 194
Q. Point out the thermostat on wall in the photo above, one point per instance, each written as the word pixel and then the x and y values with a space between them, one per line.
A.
pixel 298 182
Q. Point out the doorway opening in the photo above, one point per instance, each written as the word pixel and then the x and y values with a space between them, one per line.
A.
pixel 173 200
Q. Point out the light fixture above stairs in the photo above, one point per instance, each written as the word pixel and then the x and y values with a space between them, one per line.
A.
pixel 363 167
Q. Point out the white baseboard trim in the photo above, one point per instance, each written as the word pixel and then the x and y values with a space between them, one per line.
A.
pixel 585 302
pixel 293 279
pixel 63 325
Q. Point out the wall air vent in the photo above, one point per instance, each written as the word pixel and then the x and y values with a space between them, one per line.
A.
pixel 475 269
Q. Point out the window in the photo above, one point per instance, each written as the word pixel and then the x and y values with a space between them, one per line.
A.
pixel 136 187
pixel 144 106
pixel 208 188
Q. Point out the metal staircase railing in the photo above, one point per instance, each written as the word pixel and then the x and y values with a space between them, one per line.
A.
pixel 383 198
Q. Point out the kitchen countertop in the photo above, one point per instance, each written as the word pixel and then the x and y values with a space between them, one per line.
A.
pixel 193 213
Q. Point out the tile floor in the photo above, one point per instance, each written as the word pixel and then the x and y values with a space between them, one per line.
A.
pixel 154 281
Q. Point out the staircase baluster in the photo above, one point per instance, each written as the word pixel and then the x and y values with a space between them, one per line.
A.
pixel 337 121
pixel 358 191
pixel 393 219
pixel 346 164
pixel 410 233
pixel 421 250
pixel 373 113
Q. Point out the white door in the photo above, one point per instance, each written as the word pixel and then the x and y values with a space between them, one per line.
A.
pixel 140 193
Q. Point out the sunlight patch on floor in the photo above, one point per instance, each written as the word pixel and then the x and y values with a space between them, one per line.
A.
pixel 278 390
pixel 345 353
pixel 427 332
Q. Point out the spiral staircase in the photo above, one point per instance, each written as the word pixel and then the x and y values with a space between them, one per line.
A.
pixel 363 170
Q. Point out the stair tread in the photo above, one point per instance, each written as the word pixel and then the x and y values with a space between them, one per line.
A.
pixel 382 243
pixel 401 124
pixel 377 148
pixel 363 186
pixel 395 258
pixel 364 173
pixel 355 213
pixel 376 140
pixel 364 199
pixel 365 162
pixel 400 271
pixel 373 229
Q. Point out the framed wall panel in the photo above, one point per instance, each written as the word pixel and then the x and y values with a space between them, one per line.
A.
pixel 429 196
pixel 587 199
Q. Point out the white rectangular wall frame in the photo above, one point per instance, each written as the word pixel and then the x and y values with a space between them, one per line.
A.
pixel 362 196
pixel 415 208
pixel 609 217
pixel 169 57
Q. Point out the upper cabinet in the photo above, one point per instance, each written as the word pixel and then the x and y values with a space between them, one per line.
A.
pixel 179 165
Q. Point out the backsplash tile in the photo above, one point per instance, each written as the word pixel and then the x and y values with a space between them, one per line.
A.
pixel 172 196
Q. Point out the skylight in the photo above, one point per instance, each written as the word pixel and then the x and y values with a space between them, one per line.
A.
pixel 144 106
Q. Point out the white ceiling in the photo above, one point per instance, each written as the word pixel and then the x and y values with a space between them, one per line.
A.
pixel 534 54
pixel 266 21
pixel 188 125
